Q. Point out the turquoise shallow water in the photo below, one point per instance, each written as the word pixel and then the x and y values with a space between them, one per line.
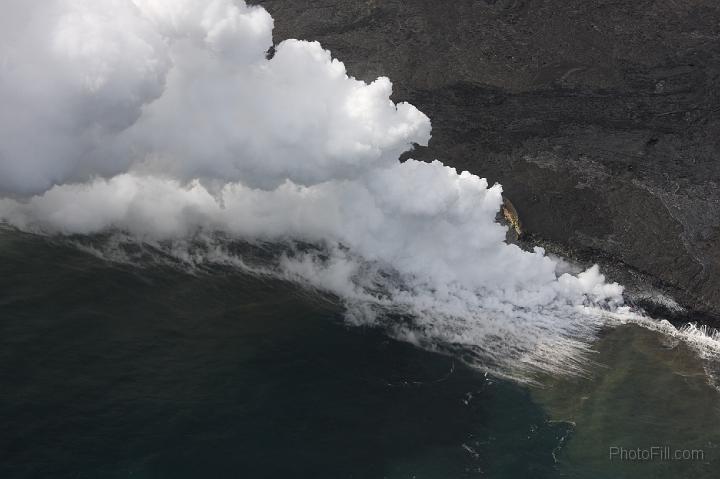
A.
pixel 109 370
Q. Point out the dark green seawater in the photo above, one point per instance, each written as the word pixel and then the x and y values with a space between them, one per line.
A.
pixel 117 371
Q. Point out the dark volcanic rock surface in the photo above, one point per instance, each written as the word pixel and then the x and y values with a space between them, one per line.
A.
pixel 601 119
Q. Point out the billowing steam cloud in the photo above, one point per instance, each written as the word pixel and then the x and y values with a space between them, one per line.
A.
pixel 183 88
pixel 164 119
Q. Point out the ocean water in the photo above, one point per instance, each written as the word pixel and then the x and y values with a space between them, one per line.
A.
pixel 110 370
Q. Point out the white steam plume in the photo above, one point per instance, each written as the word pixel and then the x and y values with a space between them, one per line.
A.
pixel 181 88
pixel 165 120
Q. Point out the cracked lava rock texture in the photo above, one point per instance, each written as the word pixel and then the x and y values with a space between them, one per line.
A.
pixel 601 119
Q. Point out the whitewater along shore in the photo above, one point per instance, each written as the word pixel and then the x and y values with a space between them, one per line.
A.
pixel 601 120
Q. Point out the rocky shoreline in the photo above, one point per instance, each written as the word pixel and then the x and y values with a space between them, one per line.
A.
pixel 600 119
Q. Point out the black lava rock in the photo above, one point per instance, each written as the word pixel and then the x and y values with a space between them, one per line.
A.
pixel 601 119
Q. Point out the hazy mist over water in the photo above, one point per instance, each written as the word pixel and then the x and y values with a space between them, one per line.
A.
pixel 116 370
